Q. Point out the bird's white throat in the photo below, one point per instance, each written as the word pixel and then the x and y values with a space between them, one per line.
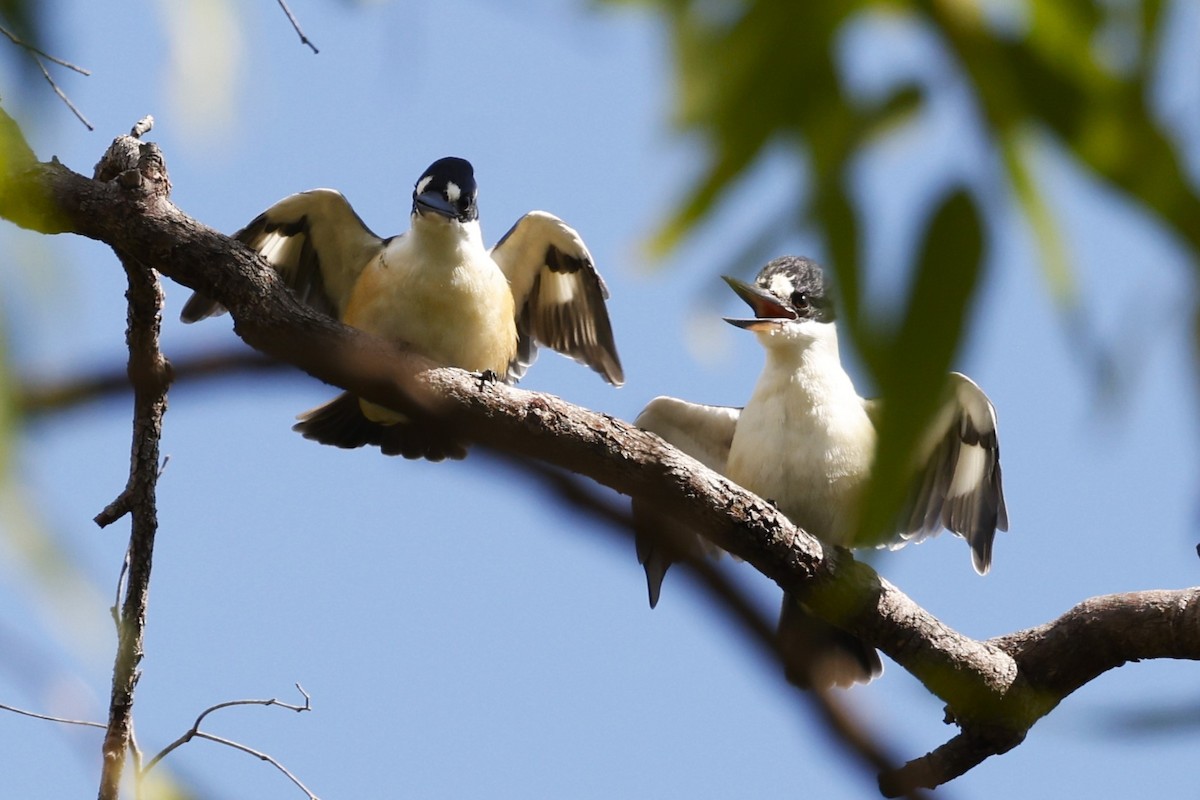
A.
pixel 804 439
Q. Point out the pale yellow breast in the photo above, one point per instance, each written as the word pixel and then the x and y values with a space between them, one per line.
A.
pixel 458 314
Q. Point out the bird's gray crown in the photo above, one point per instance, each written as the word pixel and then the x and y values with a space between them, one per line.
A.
pixel 448 187
pixel 800 284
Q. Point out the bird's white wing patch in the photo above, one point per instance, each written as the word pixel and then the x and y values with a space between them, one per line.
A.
pixel 970 470
pixel 557 289
pixel 317 244
pixel 559 295
pixel 704 433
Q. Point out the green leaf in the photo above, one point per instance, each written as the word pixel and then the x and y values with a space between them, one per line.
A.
pixel 920 353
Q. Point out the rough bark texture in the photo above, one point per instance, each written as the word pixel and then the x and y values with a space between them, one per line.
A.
pixel 144 176
pixel 994 690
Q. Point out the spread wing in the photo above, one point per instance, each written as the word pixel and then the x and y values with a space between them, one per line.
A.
pixel 317 244
pixel 558 294
pixel 704 433
pixel 958 485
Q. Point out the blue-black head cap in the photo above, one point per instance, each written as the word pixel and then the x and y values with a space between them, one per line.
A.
pixel 447 188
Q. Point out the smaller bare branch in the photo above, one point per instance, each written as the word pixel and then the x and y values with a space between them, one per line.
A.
pixel 142 127
pixel 63 95
pixel 35 398
pixel 12 37
pixel 135 750
pixel 115 610
pixel 112 512
pixel 945 763
pixel 150 374
pixel 296 26
pixel 194 732
pixel 261 756
pixel 271 702
pixel 85 723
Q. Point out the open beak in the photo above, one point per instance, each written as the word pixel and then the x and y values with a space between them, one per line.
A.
pixel 768 311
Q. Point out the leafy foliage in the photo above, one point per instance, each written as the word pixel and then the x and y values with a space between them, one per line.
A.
pixel 757 74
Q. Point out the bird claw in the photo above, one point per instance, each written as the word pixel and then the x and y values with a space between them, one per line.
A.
pixel 487 377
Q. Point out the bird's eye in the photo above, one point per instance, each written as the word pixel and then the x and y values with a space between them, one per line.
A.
pixel 799 300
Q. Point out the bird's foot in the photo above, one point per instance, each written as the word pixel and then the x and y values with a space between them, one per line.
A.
pixel 487 377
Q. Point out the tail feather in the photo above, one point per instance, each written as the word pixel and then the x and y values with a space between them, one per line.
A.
pixel 341 423
pixel 819 654
pixel 200 307
pixel 661 542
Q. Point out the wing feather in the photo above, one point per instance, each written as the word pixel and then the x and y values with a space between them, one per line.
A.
pixel 315 241
pixel 704 433
pixel 959 479
pixel 559 295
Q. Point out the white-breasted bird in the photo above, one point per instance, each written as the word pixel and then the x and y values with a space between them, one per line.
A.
pixel 806 441
pixel 436 288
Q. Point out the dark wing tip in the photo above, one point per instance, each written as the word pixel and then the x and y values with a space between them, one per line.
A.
pixel 200 307
pixel 610 367
pixel 981 552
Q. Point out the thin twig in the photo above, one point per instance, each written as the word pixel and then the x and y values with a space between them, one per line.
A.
pixel 63 95
pixel 296 25
pixel 135 750
pixel 48 718
pixel 262 756
pixel 37 55
pixel 12 37
pixel 194 732
pixel 115 610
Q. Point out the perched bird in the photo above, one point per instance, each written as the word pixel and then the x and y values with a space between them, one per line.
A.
pixel 806 442
pixel 436 288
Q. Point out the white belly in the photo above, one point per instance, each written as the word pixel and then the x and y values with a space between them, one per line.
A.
pixel 808 451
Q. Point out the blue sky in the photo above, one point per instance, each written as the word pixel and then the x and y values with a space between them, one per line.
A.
pixel 460 634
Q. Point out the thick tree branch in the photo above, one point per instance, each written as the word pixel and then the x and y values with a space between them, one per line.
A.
pixel 994 690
